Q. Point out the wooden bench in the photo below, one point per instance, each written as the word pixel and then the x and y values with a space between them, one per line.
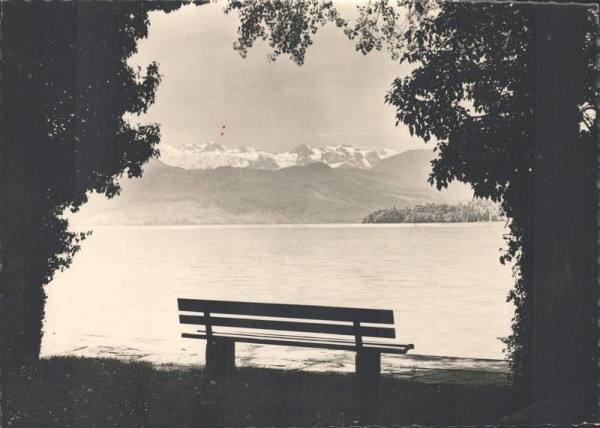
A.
pixel 336 328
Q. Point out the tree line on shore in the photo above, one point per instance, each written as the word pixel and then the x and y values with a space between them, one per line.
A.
pixel 474 211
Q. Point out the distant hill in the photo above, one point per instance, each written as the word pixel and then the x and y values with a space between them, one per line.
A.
pixel 313 193
pixel 411 166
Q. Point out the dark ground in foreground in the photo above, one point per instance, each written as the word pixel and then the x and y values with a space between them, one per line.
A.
pixel 85 392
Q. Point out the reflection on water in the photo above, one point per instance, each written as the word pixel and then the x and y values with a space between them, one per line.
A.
pixel 444 282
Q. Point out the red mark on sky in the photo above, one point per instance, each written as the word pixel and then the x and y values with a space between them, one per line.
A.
pixel 222 131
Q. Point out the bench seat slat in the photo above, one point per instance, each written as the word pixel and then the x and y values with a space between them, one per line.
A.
pixel 388 349
pixel 348 330
pixel 286 337
pixel 375 316
pixel 312 339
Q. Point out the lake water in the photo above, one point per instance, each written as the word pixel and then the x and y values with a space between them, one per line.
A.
pixel 443 281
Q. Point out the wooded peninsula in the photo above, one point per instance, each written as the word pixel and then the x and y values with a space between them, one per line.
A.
pixel 474 211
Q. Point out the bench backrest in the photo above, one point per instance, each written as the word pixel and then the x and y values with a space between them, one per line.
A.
pixel 237 312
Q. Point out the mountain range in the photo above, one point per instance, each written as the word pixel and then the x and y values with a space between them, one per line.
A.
pixel 311 193
pixel 212 155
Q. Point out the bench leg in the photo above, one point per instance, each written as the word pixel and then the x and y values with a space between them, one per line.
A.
pixel 368 368
pixel 220 357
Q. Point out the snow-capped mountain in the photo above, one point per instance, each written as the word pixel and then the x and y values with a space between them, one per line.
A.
pixel 314 193
pixel 212 155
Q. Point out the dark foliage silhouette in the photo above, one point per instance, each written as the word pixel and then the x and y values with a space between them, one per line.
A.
pixel 66 86
pixel 287 25
pixel 477 92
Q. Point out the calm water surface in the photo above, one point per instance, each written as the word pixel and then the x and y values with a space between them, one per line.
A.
pixel 444 282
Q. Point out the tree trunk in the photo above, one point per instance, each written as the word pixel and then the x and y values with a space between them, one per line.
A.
pixel 564 295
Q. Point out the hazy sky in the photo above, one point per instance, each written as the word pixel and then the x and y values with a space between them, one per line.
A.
pixel 336 97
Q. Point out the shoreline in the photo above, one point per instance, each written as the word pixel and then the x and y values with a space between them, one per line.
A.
pixel 77 225
pixel 414 367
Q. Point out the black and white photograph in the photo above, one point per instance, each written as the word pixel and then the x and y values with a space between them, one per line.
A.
pixel 298 213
